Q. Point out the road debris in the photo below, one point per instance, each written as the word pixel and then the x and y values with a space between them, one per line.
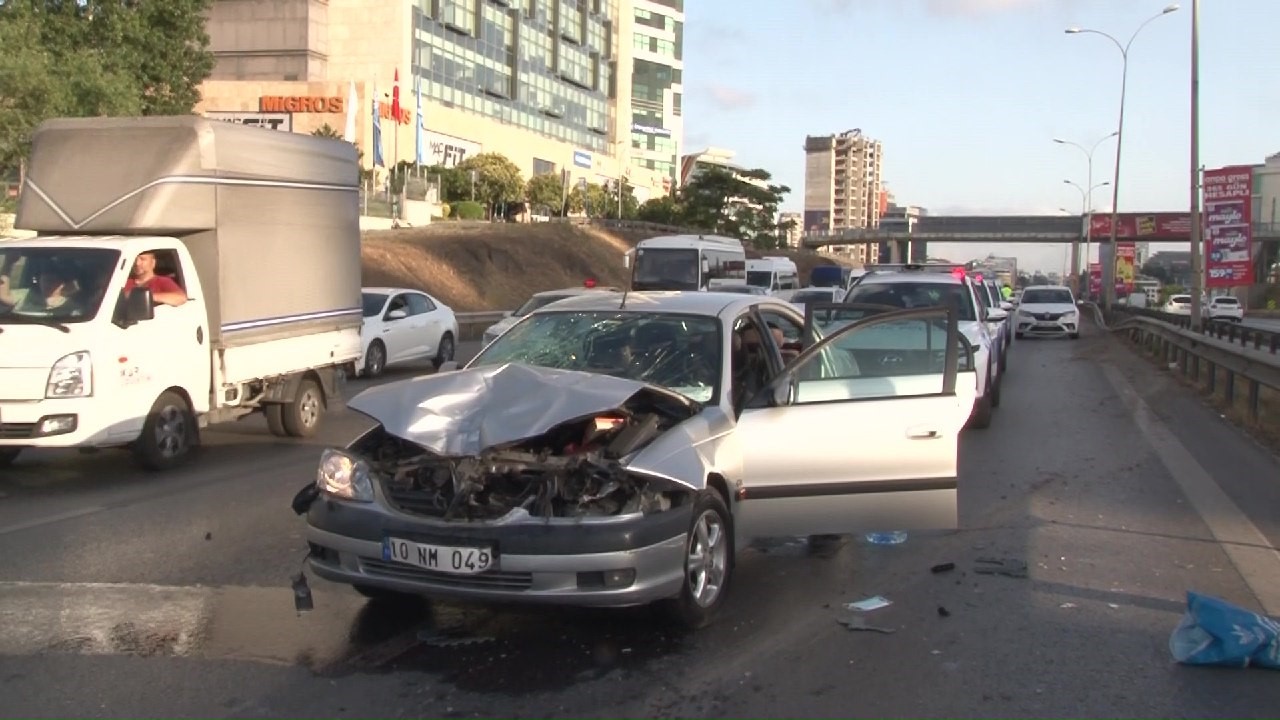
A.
pixel 1009 567
pixel 871 603
pixel 1215 632
pixel 942 568
pixel 857 622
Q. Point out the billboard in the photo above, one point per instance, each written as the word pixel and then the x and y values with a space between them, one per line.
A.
pixel 817 221
pixel 447 150
pixel 1095 279
pixel 1228 235
pixel 1126 259
pixel 266 120
pixel 1143 226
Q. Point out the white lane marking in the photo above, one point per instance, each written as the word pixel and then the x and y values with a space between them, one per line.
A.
pixel 256 624
pixel 50 519
pixel 1249 550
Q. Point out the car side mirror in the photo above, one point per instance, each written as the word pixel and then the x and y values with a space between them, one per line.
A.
pixel 136 306
pixel 397 315
pixel 997 314
pixel 1006 306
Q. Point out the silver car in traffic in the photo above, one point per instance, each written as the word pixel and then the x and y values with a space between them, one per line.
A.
pixel 614 451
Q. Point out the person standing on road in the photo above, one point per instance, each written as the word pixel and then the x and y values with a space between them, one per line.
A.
pixel 1006 292
pixel 163 289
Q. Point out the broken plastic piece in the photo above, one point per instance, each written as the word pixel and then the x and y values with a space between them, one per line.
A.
pixel 871 603
pixel 860 623
pixel 1008 567
pixel 897 537
pixel 942 567
pixel 943 612
pixel 301 594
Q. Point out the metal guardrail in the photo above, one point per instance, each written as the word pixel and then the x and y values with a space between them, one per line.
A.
pixel 1234 333
pixel 1205 357
pixel 471 325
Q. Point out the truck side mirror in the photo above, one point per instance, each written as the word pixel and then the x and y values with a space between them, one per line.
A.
pixel 136 306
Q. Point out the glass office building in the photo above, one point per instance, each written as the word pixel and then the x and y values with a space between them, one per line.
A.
pixel 542 65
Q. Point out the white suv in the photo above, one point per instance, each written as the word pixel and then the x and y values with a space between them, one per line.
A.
pixel 1047 310
pixel 1223 308
pixel 916 286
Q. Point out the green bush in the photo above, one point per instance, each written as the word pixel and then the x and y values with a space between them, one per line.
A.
pixel 468 210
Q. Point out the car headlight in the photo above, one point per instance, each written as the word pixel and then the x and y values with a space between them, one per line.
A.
pixel 343 476
pixel 70 377
pixel 1070 315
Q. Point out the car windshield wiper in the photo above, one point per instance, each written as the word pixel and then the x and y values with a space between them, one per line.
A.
pixel 11 318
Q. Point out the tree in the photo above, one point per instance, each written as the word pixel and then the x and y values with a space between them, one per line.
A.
pixel 594 201
pixel 497 180
pixel 546 193
pixel 662 211
pixel 1157 271
pixel 630 206
pixel 85 58
pixel 741 204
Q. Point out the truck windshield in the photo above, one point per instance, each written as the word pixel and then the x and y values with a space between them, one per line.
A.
pixel 760 278
pixel 53 285
pixel 666 269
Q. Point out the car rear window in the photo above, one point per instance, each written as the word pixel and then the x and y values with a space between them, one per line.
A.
pixel 1226 301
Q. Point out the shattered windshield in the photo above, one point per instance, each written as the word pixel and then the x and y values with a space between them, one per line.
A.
pixel 53 285
pixel 677 352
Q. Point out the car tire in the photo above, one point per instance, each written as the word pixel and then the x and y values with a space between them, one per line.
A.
pixel 708 563
pixel 445 352
pixel 995 392
pixel 301 416
pixel 275 419
pixel 375 359
pixel 8 455
pixel 169 434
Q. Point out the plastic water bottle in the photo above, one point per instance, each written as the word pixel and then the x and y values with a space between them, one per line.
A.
pixel 896 537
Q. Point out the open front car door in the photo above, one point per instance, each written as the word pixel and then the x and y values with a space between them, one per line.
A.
pixel 859 433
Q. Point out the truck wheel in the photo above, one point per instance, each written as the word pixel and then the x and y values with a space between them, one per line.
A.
pixel 169 435
pixel 8 455
pixel 445 353
pixel 275 419
pixel 301 418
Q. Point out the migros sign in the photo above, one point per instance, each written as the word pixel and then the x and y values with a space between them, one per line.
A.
pixel 334 104
pixel 302 104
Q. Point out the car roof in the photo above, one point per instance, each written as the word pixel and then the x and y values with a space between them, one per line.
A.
pixel 392 290
pixel 1049 287
pixel 686 302
pixel 916 276
pixel 580 290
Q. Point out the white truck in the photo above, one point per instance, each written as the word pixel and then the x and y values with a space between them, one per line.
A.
pixel 258 229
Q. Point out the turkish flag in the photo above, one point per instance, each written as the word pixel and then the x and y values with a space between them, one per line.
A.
pixel 395 97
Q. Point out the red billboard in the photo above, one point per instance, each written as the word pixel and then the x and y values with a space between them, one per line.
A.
pixel 1228 234
pixel 1095 279
pixel 1142 226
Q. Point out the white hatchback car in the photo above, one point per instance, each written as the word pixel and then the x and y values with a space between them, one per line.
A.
pixel 1177 305
pixel 403 325
pixel 1224 308
pixel 1048 310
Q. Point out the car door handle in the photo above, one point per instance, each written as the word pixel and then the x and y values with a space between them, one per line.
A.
pixel 923 433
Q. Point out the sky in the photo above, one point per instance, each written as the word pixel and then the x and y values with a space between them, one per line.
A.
pixel 968 95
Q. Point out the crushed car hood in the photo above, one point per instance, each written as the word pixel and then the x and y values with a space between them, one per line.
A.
pixel 467 411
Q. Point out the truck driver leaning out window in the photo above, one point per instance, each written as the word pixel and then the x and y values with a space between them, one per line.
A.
pixel 163 289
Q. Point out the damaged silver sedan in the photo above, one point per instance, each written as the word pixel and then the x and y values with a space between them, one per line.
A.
pixel 613 451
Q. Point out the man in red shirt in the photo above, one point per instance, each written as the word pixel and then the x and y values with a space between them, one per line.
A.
pixel 163 290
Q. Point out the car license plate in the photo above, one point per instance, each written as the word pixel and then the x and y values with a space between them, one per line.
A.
pixel 451 559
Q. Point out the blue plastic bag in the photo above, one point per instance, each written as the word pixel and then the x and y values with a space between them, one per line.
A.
pixel 1215 632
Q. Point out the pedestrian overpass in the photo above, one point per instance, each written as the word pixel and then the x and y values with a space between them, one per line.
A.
pixel 1037 229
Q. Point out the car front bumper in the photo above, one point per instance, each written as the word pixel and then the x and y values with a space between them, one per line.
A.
pixel 1052 326
pixel 538 561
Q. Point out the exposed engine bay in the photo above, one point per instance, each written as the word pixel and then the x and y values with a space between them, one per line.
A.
pixel 572 470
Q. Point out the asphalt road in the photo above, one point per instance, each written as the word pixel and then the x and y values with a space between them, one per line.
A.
pixel 124 595
pixel 1272 324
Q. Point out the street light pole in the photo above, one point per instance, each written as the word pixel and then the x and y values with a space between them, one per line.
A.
pixel 1197 247
pixel 1087 216
pixel 1086 212
pixel 1108 274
